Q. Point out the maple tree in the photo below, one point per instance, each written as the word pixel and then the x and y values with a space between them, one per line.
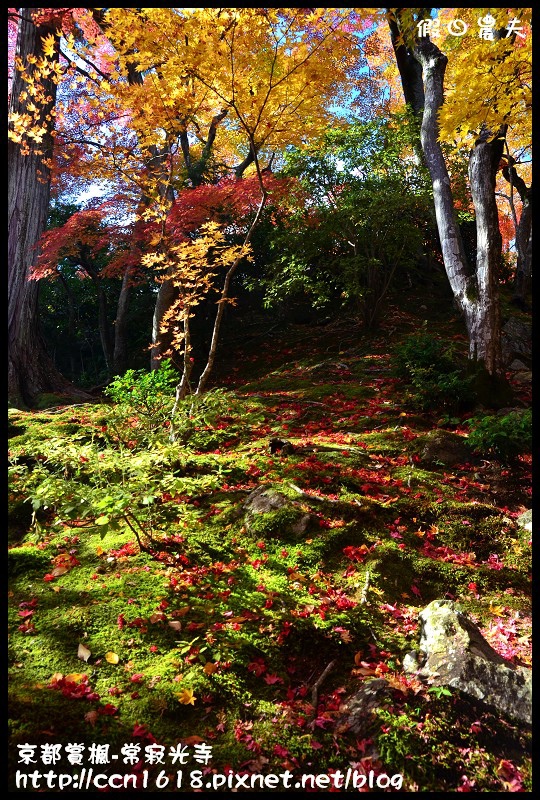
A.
pixel 99 245
pixel 262 78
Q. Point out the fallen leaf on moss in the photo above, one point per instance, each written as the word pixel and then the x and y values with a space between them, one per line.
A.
pixel 83 652
pixel 74 677
pixel 186 697
pixel 57 571
pixel 111 657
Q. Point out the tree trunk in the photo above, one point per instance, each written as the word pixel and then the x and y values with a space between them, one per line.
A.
pixel 103 322
pixel 483 322
pixel 166 296
pixel 120 354
pixel 167 293
pixel 475 293
pixel 30 369
pixel 523 278
pixel 410 70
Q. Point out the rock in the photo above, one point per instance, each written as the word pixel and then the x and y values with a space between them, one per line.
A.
pixel 525 520
pixel 271 513
pixel 502 412
pixel 264 499
pixel 328 368
pixel 357 713
pixel 446 448
pixel 281 446
pixel 516 341
pixel 453 652
pixel 523 377
pixel 517 365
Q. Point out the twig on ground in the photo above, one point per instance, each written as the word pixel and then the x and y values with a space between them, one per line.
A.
pixel 363 598
pixel 317 685
pixel 312 496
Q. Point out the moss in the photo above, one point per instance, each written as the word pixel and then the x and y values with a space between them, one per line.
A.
pixel 250 619
pixel 27 561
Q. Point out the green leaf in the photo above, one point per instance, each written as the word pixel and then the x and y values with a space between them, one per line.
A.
pixel 102 521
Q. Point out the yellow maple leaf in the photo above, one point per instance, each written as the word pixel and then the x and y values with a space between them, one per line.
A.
pixel 186 697
pixel 48 45
pixel 111 657
pixel 76 677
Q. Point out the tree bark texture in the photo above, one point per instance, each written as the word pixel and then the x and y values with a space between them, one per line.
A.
pixel 120 351
pixel 475 290
pixel 30 369
pixel 523 278
pixel 483 321
pixel 410 70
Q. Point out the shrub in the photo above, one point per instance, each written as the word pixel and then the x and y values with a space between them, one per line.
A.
pixel 144 401
pixel 145 392
pixel 504 437
pixel 429 366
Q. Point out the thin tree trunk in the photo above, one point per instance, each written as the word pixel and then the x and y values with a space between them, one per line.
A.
pixel 523 229
pixel 160 341
pixel 410 70
pixel 104 333
pixel 225 290
pixel 103 316
pixel 120 349
pixel 167 293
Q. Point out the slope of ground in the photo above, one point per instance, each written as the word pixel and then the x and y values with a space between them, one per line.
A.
pixel 232 641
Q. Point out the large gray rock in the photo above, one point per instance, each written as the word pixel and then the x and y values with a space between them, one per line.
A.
pixel 517 365
pixel 357 714
pixel 268 512
pixel 525 520
pixel 445 448
pixel 264 499
pixel 523 377
pixel 516 341
pixel 453 652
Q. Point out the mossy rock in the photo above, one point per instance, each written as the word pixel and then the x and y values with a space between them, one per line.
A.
pixel 443 448
pixel 269 512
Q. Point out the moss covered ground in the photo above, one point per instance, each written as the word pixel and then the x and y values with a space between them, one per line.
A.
pixel 145 613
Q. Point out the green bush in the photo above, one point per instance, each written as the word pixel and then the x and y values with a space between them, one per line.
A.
pixel 504 437
pixel 144 401
pixel 421 351
pixel 432 370
pixel 145 392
